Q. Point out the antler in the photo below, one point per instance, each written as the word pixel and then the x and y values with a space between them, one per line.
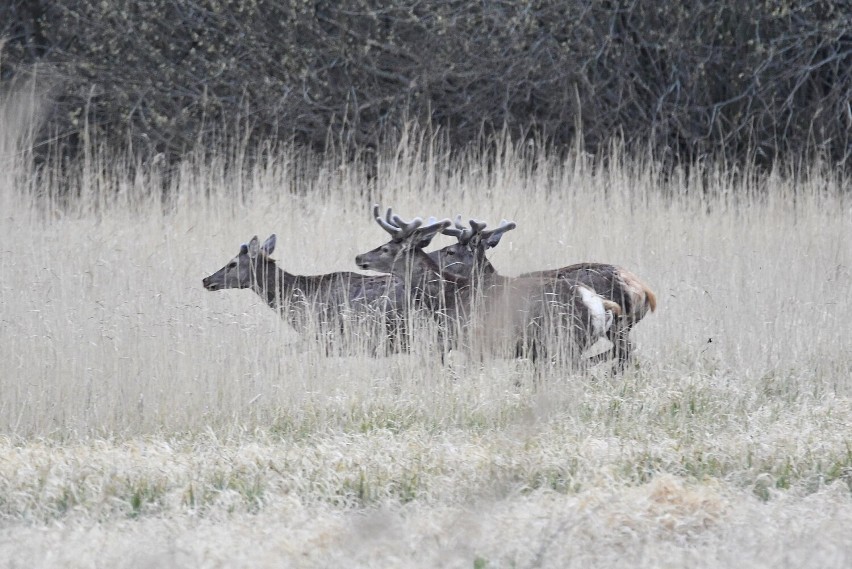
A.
pixel 477 231
pixel 395 225
pixel 478 227
pixel 460 232
pixel 492 237
pixel 401 229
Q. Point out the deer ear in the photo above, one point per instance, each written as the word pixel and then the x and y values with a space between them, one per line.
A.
pixel 269 245
pixel 424 241
pixel 253 247
pixel 425 238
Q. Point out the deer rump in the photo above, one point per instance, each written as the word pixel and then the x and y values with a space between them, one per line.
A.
pixel 610 281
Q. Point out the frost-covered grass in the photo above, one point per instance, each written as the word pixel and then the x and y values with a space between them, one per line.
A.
pixel 147 422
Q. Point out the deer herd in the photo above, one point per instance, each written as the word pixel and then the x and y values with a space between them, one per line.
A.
pixel 546 316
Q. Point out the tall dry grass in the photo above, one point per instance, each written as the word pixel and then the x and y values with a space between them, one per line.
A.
pixel 144 414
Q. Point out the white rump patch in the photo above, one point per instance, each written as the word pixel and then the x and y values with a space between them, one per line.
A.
pixel 601 318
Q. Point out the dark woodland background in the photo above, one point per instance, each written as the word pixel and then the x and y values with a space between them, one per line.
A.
pixel 750 82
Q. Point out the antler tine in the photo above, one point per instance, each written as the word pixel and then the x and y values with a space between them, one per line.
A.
pixel 406 228
pixel 457 231
pixel 433 222
pixel 459 224
pixel 389 227
pixel 477 226
pixel 423 235
pixel 492 238
pixel 461 232
pixel 505 226
pixel 389 217
pixel 467 232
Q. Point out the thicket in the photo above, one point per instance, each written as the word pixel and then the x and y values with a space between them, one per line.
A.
pixel 750 81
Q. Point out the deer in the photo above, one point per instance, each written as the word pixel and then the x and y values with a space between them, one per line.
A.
pixel 327 301
pixel 616 284
pixel 527 315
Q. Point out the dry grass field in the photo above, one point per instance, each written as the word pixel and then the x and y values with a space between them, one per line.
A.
pixel 146 422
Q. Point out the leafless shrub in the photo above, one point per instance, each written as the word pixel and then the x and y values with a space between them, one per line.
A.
pixel 746 81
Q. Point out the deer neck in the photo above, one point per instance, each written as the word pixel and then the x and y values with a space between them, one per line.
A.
pixel 436 289
pixel 273 284
pixel 483 270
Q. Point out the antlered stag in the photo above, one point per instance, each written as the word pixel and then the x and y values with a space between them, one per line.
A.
pixel 467 258
pixel 531 317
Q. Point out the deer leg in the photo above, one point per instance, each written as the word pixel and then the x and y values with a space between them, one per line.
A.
pixel 396 335
pixel 603 356
pixel 538 354
pixel 622 348
pixel 611 335
pixel 620 351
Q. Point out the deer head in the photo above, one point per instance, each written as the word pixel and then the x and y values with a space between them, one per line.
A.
pixel 248 269
pixel 407 238
pixel 468 254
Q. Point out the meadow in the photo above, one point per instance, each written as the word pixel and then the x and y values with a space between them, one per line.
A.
pixel 147 422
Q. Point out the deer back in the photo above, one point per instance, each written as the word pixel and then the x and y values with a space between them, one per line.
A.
pixel 610 281
pixel 543 315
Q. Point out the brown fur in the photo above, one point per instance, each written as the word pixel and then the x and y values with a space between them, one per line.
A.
pixel 614 307
pixel 497 313
pixel 641 297
pixel 652 299
pixel 633 298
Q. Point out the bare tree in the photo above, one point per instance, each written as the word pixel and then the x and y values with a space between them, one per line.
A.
pixel 747 81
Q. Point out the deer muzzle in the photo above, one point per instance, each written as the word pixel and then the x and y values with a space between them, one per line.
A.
pixel 362 262
pixel 209 284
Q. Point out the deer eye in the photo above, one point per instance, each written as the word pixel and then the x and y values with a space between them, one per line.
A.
pixel 232 265
pixel 450 252
pixel 385 249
